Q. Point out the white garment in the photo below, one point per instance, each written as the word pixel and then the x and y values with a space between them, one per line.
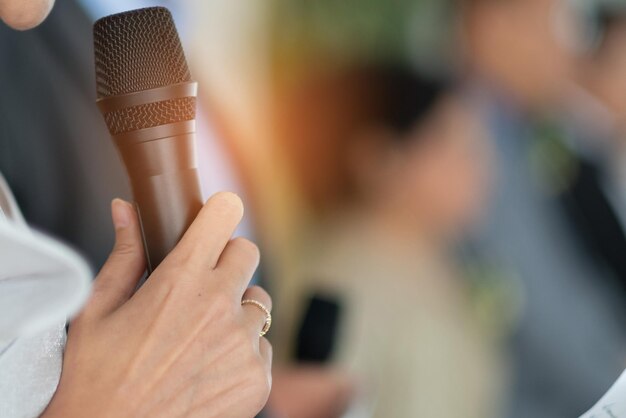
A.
pixel 42 283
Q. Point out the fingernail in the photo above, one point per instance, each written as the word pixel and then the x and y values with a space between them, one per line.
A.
pixel 120 211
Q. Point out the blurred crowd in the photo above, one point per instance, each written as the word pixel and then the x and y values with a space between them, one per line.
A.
pixel 438 188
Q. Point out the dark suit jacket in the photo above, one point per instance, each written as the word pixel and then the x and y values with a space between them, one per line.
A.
pixel 595 223
pixel 55 151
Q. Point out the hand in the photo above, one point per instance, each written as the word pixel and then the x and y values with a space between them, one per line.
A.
pixel 182 345
pixel 311 392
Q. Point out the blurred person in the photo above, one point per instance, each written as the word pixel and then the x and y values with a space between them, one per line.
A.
pixel 394 166
pixel 124 355
pixel 587 138
pixel 569 346
pixel 517 47
pixel 597 107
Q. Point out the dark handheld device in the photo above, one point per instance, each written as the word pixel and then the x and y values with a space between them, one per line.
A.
pixel 317 335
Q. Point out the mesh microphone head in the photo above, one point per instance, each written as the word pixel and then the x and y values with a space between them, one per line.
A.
pixel 136 51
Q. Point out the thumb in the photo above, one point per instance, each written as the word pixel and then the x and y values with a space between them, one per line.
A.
pixel 122 271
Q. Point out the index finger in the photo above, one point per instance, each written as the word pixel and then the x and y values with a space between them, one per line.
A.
pixel 208 235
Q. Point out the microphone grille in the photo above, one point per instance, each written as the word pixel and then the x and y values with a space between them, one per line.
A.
pixel 138 50
pixel 152 114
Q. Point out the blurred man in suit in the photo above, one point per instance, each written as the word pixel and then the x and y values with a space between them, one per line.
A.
pixel 591 185
pixel 570 345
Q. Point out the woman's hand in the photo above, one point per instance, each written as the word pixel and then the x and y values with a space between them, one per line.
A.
pixel 182 345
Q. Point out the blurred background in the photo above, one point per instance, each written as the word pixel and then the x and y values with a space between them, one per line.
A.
pixel 438 187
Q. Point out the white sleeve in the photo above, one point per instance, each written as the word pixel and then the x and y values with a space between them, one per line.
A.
pixel 42 283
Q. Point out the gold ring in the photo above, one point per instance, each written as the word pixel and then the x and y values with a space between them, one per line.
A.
pixel 268 314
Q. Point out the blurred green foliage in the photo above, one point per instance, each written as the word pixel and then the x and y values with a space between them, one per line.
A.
pixel 315 30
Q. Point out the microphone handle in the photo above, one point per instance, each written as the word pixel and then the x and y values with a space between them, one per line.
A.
pixel 166 189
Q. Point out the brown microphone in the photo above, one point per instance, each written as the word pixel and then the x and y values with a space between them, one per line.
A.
pixel 148 100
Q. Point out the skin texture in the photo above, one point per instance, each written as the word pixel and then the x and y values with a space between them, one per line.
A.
pixel 24 14
pixel 182 345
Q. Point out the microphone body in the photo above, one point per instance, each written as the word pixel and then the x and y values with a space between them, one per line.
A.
pixel 151 118
pixel 161 163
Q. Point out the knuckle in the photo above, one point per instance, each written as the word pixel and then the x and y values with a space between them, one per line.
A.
pixel 189 268
pixel 172 282
pixel 181 264
pixel 181 261
pixel 125 249
pixel 171 275
pixel 247 248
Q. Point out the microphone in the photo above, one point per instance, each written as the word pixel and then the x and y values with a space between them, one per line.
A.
pixel 148 101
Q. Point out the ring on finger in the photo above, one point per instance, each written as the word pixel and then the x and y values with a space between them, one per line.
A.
pixel 268 314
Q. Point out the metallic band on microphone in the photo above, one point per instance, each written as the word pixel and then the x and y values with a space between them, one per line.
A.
pixel 138 98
